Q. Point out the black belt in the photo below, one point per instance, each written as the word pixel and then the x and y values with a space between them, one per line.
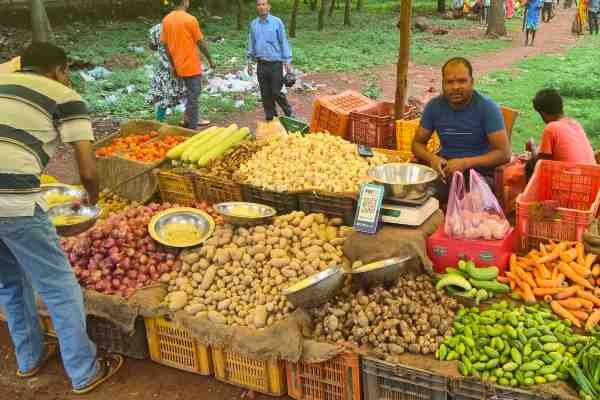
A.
pixel 267 61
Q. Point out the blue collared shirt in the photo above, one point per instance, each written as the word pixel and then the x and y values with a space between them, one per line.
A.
pixel 594 5
pixel 268 40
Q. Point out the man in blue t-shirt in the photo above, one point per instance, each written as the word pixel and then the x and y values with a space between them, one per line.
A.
pixel 470 126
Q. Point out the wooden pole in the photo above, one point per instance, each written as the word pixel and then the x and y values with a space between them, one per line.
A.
pixel 403 57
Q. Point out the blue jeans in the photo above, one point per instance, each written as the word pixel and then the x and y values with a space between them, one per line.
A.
pixel 193 84
pixel 31 258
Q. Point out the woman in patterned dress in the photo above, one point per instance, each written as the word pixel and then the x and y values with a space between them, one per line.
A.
pixel 166 90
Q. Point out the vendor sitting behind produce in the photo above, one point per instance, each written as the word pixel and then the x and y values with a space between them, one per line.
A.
pixel 563 138
pixel 470 126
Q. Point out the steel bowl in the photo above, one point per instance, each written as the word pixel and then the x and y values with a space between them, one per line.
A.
pixel 93 212
pixel 384 272
pixel 316 289
pixel 227 210
pixel 62 189
pixel 404 180
pixel 181 215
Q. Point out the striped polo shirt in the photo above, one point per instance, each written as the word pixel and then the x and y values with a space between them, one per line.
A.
pixel 37 113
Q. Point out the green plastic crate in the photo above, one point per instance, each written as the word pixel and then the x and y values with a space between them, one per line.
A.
pixel 292 125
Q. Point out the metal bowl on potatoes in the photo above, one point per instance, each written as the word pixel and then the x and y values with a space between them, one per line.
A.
pixel 232 213
pixel 404 180
pixel 75 209
pixel 384 272
pixel 316 289
pixel 74 192
pixel 185 216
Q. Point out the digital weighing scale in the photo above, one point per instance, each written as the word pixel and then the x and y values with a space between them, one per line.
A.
pixel 408 212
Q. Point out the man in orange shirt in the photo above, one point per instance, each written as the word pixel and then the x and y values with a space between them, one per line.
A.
pixel 184 42
pixel 563 138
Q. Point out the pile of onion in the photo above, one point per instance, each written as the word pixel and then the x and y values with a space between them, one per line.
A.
pixel 118 255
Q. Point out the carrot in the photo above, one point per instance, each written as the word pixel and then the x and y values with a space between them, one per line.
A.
pixel 502 279
pixel 582 315
pixel 543 271
pixel 525 276
pixel 554 254
pixel 562 312
pixel 528 296
pixel 580 269
pixel 573 276
pixel 569 255
pixel 589 260
pixel 566 293
pixel 585 303
pixel 592 321
pixel 580 253
pixel 588 296
pixel 512 262
pixel 554 272
pixel 512 285
pixel 572 304
pixel 547 291
pixel 596 270
pixel 543 250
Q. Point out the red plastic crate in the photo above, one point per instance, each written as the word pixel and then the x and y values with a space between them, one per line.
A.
pixel 336 379
pixel 374 125
pixel 331 113
pixel 569 187
pixel 446 252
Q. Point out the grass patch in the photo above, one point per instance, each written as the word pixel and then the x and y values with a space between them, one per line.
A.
pixel 575 75
pixel 372 40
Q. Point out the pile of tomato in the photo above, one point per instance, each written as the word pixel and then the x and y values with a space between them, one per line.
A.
pixel 155 150
pixel 125 144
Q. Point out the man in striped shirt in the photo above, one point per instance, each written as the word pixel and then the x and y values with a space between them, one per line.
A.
pixel 39 110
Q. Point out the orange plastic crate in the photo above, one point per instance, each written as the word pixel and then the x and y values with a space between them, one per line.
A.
pixel 336 379
pixel 405 134
pixel 331 113
pixel 264 376
pixel 574 190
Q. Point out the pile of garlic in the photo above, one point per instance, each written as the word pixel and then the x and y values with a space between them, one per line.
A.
pixel 318 161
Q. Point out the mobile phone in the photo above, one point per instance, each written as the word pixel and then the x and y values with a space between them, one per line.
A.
pixel 364 150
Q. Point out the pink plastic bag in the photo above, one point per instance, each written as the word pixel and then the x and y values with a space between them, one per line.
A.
pixel 474 214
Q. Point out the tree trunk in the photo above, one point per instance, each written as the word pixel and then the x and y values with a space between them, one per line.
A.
pixel 347 13
pixel 322 14
pixel 40 24
pixel 217 7
pixel 332 7
pixel 441 6
pixel 359 5
pixel 313 5
pixel 295 7
pixel 403 57
pixel 240 15
pixel 496 26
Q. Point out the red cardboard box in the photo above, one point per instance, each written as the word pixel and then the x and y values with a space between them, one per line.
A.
pixel 445 252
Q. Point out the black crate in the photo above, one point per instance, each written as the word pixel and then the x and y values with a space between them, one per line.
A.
pixel 283 202
pixel 387 381
pixel 111 338
pixel 469 389
pixel 332 205
pixel 510 393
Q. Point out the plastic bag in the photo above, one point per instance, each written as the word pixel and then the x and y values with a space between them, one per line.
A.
pixel 474 214
pixel 270 129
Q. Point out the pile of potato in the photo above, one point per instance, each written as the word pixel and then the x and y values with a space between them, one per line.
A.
pixel 409 317
pixel 238 275
pixel 317 161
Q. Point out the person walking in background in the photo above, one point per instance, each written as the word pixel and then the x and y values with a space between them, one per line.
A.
pixel 510 9
pixel 532 19
pixel 594 15
pixel 485 11
pixel 184 42
pixel 268 46
pixel 581 18
pixel 547 10
pixel 166 89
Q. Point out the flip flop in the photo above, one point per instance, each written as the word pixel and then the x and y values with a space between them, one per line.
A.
pixel 204 122
pixel 50 350
pixel 108 366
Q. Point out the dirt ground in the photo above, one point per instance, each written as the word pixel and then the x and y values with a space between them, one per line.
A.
pixel 148 380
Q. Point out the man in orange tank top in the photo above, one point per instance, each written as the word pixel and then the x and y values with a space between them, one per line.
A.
pixel 184 42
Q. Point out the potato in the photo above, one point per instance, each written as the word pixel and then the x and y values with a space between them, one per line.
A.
pixel 209 277
pixel 177 300
pixel 216 317
pixel 190 258
pixel 260 316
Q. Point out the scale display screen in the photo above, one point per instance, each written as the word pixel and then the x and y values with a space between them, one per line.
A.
pixel 368 208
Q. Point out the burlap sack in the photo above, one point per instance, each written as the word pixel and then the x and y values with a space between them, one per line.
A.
pixel 394 241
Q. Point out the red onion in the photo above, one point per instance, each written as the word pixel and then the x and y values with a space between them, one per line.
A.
pixel 170 256
pixel 132 274
pixel 118 272
pixel 125 281
pixel 126 262
pixel 130 252
pixel 105 271
pixel 116 283
pixel 129 291
pixel 163 268
pixel 116 257
pixel 85 274
pixel 154 276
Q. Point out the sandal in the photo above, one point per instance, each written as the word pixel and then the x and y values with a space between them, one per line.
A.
pixel 107 367
pixel 204 122
pixel 50 350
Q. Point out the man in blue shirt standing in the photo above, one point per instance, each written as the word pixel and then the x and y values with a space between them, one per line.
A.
pixel 593 15
pixel 470 126
pixel 268 46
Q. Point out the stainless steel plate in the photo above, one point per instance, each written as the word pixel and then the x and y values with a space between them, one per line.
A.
pixel 182 215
